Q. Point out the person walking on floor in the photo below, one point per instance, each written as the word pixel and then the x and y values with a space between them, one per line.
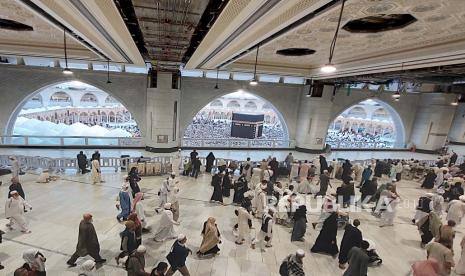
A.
pixel 135 265
pixel 123 202
pixel 177 257
pixel 87 242
pixel 15 207
pixel 82 162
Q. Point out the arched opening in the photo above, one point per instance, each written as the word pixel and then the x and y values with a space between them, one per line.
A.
pixel 368 124
pixel 244 121
pixel 85 119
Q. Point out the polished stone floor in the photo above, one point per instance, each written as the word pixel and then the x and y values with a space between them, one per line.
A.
pixel 58 207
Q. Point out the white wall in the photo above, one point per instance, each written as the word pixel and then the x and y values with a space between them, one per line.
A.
pixel 433 120
pixel 457 131
pixel 160 113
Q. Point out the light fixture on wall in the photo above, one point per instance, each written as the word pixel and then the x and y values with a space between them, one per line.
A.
pixel 254 81
pixel 66 71
pixel 108 71
pixel 329 67
pixel 217 71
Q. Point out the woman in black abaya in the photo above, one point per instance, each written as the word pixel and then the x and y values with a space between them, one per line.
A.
pixel 240 187
pixel 326 241
pixel 226 184
pixel 217 195
pixel 210 159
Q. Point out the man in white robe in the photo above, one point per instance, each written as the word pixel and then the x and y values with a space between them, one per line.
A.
pixel 15 168
pixel 247 169
pixel 456 210
pixel 255 179
pixel 265 235
pixel 261 201
pixel 166 225
pixel 164 192
pixel 243 217
pixel 96 173
pixel 437 202
pixel 14 211
pixel 294 171
pixel 267 174
pixel 284 208
pixel 335 166
pixel 176 164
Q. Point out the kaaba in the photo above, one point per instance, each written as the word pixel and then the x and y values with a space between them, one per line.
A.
pixel 247 125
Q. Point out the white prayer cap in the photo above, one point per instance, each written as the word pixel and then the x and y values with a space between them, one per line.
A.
pixel 181 237
pixel 325 171
pixel 440 191
pixel 429 194
pixel 300 252
pixel 173 174
pixel 167 206
pixel 141 249
pixel 462 198
pixel 13 192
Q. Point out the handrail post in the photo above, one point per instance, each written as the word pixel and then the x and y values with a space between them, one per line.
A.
pixel 26 140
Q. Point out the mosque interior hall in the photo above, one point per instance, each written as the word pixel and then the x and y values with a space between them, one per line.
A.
pixel 232 137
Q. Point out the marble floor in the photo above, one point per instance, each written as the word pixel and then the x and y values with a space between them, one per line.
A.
pixel 58 207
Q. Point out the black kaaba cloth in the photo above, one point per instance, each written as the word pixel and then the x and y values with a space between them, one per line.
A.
pixel 247 125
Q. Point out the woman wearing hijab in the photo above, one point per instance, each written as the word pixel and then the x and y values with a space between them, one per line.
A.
pixel 226 184
pixel 123 202
pixel 211 238
pixel 428 183
pixel 87 269
pixel 34 261
pixel 138 208
pixel 300 224
pixel 134 178
pixel 217 195
pixel 210 159
pixel 137 227
pixel 326 241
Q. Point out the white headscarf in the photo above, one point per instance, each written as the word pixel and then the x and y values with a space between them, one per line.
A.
pixel 29 256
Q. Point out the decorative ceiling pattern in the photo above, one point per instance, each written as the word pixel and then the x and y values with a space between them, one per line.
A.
pixel 440 23
pixel 45 39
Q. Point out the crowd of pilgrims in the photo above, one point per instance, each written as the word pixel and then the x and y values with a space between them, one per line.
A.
pixel 206 128
pixel 353 139
pixel 274 194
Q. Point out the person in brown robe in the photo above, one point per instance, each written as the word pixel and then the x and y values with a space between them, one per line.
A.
pixel 87 242
pixel 211 238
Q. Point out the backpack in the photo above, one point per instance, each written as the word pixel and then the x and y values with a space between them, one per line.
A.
pixel 283 270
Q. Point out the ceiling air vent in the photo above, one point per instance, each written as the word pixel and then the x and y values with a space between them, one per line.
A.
pixel 295 52
pixel 379 23
pixel 7 24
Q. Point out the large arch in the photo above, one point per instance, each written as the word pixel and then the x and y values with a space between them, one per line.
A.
pixel 397 123
pixel 84 114
pixel 227 110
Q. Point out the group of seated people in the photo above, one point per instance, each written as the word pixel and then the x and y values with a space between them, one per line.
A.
pixel 353 139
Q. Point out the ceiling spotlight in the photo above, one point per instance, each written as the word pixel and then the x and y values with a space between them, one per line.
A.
pixel 66 71
pixel 396 95
pixel 254 81
pixel 328 68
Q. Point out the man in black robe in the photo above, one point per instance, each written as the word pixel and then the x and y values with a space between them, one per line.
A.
pixel 326 242
pixel 324 183
pixel 226 184
pixel 453 159
pixel 430 177
pixel 240 187
pixel 352 237
pixel 274 166
pixel 82 162
pixel 300 224
pixel 87 242
pixel 193 155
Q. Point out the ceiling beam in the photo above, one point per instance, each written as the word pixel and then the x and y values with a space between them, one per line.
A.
pixel 170 22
